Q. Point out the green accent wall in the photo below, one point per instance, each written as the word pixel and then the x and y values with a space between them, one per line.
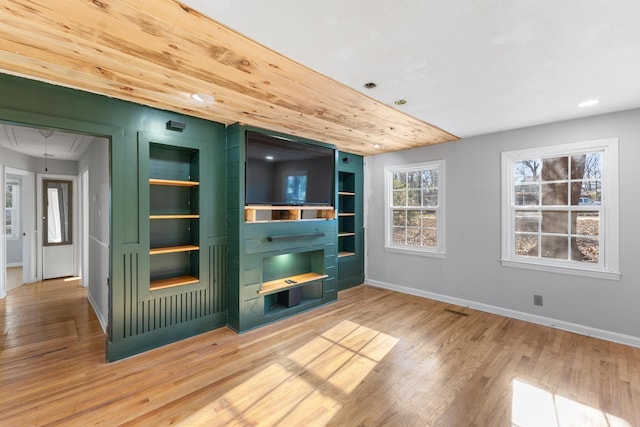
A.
pixel 139 319
pixel 234 258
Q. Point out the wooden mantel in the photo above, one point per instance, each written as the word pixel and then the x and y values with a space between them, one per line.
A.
pixel 159 52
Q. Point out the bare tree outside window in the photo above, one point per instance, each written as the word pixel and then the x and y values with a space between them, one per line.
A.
pixel 560 209
pixel 552 191
pixel 415 207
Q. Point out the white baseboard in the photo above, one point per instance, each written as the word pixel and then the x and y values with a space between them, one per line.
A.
pixel 13 264
pixel 103 322
pixel 527 317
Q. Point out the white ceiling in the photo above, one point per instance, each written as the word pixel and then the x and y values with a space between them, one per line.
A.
pixel 53 144
pixel 469 67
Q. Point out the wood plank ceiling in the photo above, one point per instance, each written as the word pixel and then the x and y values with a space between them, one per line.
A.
pixel 160 52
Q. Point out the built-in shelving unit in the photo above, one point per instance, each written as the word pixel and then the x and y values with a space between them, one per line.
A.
pixel 173 215
pixel 346 214
pixel 282 255
pixel 289 282
pixel 263 213
pixel 173 249
pixel 350 240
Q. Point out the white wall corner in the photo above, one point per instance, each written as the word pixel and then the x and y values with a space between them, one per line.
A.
pixel 99 315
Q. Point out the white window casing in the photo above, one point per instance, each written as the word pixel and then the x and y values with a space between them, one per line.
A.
pixel 603 212
pixel 414 218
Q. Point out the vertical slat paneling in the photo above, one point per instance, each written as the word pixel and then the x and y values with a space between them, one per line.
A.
pixel 217 275
pixel 129 291
pixel 141 316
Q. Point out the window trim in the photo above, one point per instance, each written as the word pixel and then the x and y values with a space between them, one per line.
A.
pixel 389 246
pixel 609 268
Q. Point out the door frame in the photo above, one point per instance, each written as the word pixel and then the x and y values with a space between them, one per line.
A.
pixel 3 242
pixel 75 229
pixel 27 221
pixel 83 239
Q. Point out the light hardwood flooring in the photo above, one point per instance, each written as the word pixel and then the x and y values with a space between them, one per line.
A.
pixel 14 277
pixel 375 357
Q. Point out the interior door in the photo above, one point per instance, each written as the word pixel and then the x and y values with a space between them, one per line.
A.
pixel 57 227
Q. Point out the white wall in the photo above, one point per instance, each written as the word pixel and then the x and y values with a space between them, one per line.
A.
pixel 96 161
pixel 471 273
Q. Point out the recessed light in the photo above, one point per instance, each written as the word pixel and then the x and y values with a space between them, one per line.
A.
pixel 400 101
pixel 268 157
pixel 588 103
pixel 376 145
pixel 370 85
pixel 204 98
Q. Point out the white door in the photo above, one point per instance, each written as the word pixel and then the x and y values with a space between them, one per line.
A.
pixel 57 228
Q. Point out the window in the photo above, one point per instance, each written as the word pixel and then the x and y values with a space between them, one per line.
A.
pixel 414 216
pixel 560 208
pixel 296 191
pixel 12 210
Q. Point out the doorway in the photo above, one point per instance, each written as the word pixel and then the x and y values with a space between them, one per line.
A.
pixel 61 181
pixel 56 207
pixel 19 207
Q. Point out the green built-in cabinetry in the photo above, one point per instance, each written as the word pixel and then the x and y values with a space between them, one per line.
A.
pixel 174 216
pixel 350 263
pixel 282 260
pixel 142 313
pixel 175 194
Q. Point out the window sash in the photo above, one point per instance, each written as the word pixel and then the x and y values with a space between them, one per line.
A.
pixel 607 265
pixel 430 202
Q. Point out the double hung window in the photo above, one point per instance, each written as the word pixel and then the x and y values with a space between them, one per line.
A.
pixel 560 208
pixel 415 208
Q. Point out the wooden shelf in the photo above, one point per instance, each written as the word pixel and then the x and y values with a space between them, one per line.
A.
pixel 173 249
pixel 346 193
pixel 287 213
pixel 281 284
pixel 188 216
pixel 172 282
pixel 173 182
pixel 344 254
pixel 346 234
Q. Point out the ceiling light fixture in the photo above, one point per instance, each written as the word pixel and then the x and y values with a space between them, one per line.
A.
pixel 376 145
pixel 400 101
pixel 588 103
pixel 45 132
pixel 203 98
pixel 269 157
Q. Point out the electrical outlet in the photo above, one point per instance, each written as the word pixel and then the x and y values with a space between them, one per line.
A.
pixel 537 300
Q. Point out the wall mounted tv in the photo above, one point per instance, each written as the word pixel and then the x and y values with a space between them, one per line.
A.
pixel 282 172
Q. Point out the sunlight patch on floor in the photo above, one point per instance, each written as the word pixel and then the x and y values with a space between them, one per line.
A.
pixel 307 387
pixel 533 407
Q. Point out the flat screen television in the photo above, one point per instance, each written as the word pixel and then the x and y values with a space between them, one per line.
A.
pixel 283 172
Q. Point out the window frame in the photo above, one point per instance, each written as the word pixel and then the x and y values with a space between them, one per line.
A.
pixel 14 209
pixel 609 256
pixel 437 251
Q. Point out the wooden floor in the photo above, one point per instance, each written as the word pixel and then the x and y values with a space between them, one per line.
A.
pixel 14 277
pixel 373 358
